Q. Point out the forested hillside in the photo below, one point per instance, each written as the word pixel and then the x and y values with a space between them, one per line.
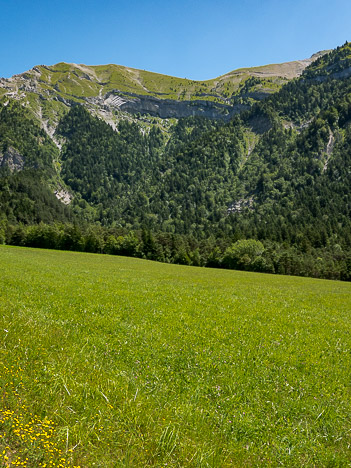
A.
pixel 185 190
pixel 28 169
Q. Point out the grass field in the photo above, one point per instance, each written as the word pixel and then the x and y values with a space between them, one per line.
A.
pixel 114 362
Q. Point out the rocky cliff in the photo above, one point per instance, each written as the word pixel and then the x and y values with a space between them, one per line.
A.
pixel 164 108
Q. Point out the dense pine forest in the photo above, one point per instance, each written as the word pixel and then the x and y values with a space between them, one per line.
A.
pixel 268 191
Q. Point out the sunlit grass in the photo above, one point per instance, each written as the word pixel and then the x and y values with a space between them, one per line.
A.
pixel 25 439
pixel 135 363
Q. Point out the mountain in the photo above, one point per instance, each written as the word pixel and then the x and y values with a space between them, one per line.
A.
pixel 111 89
pixel 278 171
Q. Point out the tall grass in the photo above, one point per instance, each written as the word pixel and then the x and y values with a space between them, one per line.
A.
pixel 124 362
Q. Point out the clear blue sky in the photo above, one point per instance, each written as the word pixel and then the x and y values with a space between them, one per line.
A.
pixel 194 39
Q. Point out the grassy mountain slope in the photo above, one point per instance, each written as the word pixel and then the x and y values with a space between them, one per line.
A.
pixel 79 81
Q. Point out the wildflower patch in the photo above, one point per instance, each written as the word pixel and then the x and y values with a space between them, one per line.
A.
pixel 25 439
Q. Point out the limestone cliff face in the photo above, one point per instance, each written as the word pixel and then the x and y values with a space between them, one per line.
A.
pixel 164 108
pixel 167 108
pixel 12 159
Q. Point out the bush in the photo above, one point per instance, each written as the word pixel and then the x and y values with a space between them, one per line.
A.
pixel 243 254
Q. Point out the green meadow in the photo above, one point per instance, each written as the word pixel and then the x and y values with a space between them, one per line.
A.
pixel 109 361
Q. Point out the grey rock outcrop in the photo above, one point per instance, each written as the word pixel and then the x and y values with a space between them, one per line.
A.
pixel 168 108
pixel 64 196
pixel 12 159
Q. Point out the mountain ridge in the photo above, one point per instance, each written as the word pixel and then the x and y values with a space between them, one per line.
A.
pixel 117 88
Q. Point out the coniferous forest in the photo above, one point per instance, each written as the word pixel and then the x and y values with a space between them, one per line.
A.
pixel 268 191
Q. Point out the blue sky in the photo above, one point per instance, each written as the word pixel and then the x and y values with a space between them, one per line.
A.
pixel 192 39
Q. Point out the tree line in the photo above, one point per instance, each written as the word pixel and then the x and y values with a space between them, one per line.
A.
pixel 241 254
